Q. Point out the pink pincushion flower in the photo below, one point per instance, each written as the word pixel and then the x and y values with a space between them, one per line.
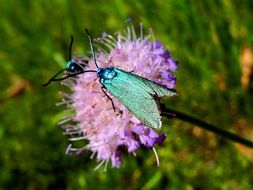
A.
pixel 105 129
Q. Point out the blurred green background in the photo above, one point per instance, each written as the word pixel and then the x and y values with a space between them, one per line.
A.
pixel 212 40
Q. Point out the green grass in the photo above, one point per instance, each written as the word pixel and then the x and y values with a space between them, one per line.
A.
pixel 205 37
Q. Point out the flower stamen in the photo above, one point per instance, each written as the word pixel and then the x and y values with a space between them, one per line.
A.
pixel 99 165
pixel 156 157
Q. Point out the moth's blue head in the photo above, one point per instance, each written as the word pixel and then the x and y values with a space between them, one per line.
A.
pixel 70 66
pixel 73 67
pixel 107 73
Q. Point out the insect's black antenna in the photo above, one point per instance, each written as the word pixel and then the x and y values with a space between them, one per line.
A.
pixel 53 77
pixel 70 47
pixel 68 76
pixel 92 48
pixel 59 72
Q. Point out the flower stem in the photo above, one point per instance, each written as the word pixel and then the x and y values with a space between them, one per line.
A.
pixel 167 112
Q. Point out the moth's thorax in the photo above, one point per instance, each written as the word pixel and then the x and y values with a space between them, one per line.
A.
pixel 105 75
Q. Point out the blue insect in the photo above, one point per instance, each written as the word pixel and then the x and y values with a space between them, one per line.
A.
pixel 139 95
pixel 74 66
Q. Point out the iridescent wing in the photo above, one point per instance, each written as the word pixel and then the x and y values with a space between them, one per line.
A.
pixel 138 95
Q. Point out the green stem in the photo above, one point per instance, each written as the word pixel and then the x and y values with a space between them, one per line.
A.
pixel 202 124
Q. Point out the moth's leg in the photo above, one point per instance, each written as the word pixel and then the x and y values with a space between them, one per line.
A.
pixel 103 89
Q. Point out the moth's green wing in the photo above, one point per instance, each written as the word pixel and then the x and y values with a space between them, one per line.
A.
pixel 138 101
pixel 138 95
pixel 148 85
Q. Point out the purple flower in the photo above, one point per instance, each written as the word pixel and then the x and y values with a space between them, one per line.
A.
pixel 127 139
pixel 148 137
pixel 105 130
pixel 116 159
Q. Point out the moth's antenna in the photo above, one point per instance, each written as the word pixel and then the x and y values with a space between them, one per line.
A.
pixel 53 77
pixel 92 48
pixel 59 72
pixel 70 56
pixel 68 76
pixel 70 47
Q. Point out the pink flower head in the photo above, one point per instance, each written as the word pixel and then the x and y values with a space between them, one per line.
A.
pixel 104 129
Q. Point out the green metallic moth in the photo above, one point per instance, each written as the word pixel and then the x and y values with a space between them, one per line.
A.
pixel 138 94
